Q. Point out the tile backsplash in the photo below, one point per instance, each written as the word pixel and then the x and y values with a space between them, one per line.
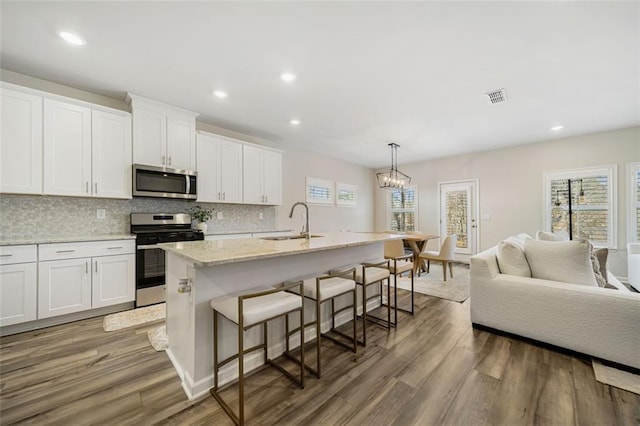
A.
pixel 35 216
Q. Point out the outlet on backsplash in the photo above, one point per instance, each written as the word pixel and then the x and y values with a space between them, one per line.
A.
pixel 101 213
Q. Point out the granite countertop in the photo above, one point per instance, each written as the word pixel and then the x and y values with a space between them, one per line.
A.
pixel 45 239
pixel 220 252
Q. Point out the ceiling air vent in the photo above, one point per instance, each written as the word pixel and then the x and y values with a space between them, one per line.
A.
pixel 496 96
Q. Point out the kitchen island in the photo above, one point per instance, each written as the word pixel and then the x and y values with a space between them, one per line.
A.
pixel 198 271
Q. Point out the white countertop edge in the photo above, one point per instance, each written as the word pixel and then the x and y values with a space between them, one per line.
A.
pixel 266 255
pixel 65 239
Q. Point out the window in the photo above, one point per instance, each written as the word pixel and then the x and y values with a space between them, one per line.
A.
pixel 402 209
pixel 320 191
pixel 634 202
pixel 590 195
pixel 346 194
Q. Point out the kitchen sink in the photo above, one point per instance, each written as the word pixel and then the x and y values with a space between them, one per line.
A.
pixel 288 237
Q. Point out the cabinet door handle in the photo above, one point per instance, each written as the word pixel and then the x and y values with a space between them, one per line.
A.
pixel 266 198
pixel 114 248
pixel 96 266
pixel 163 160
pixel 169 160
pixel 6 255
pixel 86 267
pixel 218 195
pixel 224 195
pixel 65 251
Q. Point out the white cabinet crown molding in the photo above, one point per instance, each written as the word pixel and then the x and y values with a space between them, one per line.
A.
pixel 137 101
pixel 56 97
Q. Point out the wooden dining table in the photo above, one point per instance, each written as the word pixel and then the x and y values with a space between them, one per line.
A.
pixel 418 242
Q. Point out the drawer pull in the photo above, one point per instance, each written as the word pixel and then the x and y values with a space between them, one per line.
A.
pixel 115 248
pixel 65 251
pixel 6 255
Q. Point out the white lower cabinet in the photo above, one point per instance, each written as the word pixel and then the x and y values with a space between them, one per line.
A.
pixel 18 284
pixel 74 277
pixel 113 280
pixel 64 287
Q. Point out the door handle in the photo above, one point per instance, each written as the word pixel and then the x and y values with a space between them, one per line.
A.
pixel 163 160
pixel 86 267
pixel 169 160
pixel 65 251
pixel 96 266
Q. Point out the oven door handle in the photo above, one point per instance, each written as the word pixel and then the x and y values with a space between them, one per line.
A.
pixel 148 247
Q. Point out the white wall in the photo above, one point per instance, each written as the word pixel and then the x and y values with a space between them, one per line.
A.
pixel 297 165
pixel 511 184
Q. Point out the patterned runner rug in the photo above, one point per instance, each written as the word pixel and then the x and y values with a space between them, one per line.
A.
pixel 432 284
pixel 134 317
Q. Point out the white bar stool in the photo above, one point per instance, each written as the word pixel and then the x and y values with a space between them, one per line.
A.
pixel 324 289
pixel 400 263
pixel 247 310
pixel 368 274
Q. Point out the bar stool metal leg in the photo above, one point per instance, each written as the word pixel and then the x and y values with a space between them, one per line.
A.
pixel 287 307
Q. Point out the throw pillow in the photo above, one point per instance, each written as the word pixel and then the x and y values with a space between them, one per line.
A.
pixel 511 259
pixel 565 261
pixel 602 254
pixel 519 239
pixel 552 236
pixel 595 264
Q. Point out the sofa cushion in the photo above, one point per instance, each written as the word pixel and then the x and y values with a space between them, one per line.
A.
pixel 552 236
pixel 511 259
pixel 565 261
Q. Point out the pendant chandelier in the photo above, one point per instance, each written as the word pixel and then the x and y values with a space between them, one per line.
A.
pixel 393 178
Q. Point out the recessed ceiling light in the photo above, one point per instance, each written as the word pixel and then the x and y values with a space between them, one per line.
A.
pixel 220 94
pixel 288 77
pixel 294 122
pixel 557 128
pixel 72 38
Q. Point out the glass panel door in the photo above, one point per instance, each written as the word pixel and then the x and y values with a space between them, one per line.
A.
pixel 458 214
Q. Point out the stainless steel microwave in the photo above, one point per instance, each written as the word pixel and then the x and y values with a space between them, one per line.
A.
pixel 164 182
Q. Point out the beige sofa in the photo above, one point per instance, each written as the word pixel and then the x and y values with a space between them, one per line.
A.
pixel 601 322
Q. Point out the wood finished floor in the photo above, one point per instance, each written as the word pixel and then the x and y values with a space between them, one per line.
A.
pixel 433 369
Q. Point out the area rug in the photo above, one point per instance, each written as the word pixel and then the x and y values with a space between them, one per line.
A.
pixel 158 338
pixel 120 320
pixel 615 377
pixel 432 284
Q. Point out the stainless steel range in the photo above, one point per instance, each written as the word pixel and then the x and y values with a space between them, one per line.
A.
pixel 152 229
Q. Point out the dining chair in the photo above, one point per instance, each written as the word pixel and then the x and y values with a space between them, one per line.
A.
pixel 445 255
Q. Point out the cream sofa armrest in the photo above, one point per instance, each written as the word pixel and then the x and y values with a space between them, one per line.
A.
pixel 485 264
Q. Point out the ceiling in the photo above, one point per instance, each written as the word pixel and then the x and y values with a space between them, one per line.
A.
pixel 368 73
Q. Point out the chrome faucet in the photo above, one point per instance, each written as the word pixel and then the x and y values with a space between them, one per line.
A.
pixel 305 231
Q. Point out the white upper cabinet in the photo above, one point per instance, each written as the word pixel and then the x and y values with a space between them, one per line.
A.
pixel 20 142
pixel 272 178
pixel 67 149
pixel 111 154
pixel 219 169
pixel 86 152
pixel 262 176
pixel 163 135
